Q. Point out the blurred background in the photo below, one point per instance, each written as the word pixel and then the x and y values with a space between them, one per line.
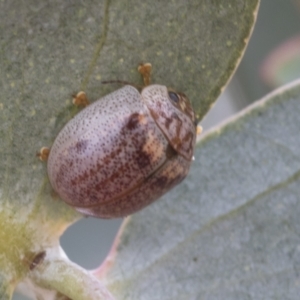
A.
pixel 271 60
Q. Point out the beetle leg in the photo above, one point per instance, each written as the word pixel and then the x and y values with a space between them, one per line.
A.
pixel 43 153
pixel 145 71
pixel 199 130
pixel 80 99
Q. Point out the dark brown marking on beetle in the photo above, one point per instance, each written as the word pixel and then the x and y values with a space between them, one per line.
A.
pixel 161 182
pixel 81 146
pixel 134 121
pixel 175 116
pixel 188 142
pixel 165 182
pixel 114 207
pixel 37 260
pixel 178 123
pixel 170 152
pixel 93 198
pixel 188 137
pixel 176 141
pixel 92 173
pixel 143 159
pixel 123 143
pixel 84 176
pixel 98 186
pixel 168 122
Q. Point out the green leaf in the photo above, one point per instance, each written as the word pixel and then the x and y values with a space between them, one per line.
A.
pixel 231 229
pixel 49 50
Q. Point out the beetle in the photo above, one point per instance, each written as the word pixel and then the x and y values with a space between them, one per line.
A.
pixel 124 151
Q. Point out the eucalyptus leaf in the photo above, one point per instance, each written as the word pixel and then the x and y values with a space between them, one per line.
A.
pixel 231 229
pixel 49 50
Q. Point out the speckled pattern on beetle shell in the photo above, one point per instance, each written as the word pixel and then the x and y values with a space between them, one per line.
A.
pixel 114 157
pixel 179 128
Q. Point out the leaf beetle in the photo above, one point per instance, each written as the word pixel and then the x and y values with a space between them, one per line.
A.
pixel 123 151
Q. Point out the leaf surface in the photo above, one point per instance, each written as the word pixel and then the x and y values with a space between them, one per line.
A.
pixel 231 229
pixel 50 50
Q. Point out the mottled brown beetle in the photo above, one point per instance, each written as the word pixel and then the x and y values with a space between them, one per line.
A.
pixel 124 151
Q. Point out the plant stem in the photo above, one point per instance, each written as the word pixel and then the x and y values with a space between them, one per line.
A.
pixel 58 273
